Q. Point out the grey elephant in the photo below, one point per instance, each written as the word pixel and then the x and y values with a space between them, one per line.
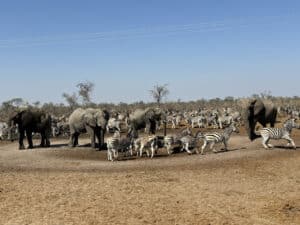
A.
pixel 148 119
pixel 92 121
pixel 259 111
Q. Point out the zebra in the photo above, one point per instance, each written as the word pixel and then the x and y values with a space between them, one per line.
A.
pixel 217 137
pixel 171 119
pixel 224 120
pixel 113 146
pixel 144 143
pixel 213 121
pixel 190 141
pixel 199 120
pixel 3 129
pixel 268 133
pixel 116 144
pixel 171 140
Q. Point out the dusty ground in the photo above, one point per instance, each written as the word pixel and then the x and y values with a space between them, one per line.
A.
pixel 58 185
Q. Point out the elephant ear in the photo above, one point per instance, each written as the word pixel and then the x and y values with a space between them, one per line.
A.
pixel 14 118
pixel 89 120
pixel 102 118
pixel 149 114
pixel 106 115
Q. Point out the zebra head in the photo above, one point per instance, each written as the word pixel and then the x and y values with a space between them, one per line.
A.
pixel 117 134
pixel 233 128
pixel 290 124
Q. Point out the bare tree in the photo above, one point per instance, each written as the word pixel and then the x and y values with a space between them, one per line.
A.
pixel 85 90
pixel 159 92
pixel 71 99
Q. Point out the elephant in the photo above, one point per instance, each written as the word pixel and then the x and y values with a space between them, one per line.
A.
pixel 92 121
pixel 29 121
pixel 259 111
pixel 148 119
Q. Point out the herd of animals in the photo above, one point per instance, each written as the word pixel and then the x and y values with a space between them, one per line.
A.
pixel 141 128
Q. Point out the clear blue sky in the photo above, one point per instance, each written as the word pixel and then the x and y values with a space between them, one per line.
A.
pixel 202 49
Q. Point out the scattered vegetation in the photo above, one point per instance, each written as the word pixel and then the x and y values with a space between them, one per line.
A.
pixel 83 99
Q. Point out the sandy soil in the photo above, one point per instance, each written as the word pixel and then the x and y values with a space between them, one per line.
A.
pixel 59 185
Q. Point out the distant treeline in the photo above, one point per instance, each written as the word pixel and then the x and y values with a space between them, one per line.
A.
pixel 9 107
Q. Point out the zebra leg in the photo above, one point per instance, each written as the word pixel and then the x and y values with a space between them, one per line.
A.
pixel 147 152
pixel 130 150
pixel 269 145
pixel 212 147
pixel 108 155
pixel 168 149
pixel 225 145
pixel 152 151
pixel 197 150
pixel 265 142
pixel 290 141
pixel 116 154
pixel 183 148
pixel 187 148
pixel 203 147
pixel 141 150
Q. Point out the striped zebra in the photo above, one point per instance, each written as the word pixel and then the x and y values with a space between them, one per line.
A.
pixel 190 141
pixel 170 141
pixel 146 143
pixel 117 144
pixel 198 120
pixel 268 133
pixel 113 146
pixel 216 137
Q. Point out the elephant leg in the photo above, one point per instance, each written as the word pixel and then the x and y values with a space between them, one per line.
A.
pixel 29 139
pixel 47 141
pixel 76 143
pixel 42 144
pixel 21 137
pixel 101 141
pixel 71 140
pixel 91 132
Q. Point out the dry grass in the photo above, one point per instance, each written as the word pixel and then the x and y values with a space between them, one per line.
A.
pixel 247 185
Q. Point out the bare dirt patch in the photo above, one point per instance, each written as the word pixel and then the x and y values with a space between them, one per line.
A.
pixel 59 185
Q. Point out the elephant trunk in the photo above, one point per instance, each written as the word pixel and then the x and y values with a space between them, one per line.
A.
pixel 101 141
pixel 250 123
